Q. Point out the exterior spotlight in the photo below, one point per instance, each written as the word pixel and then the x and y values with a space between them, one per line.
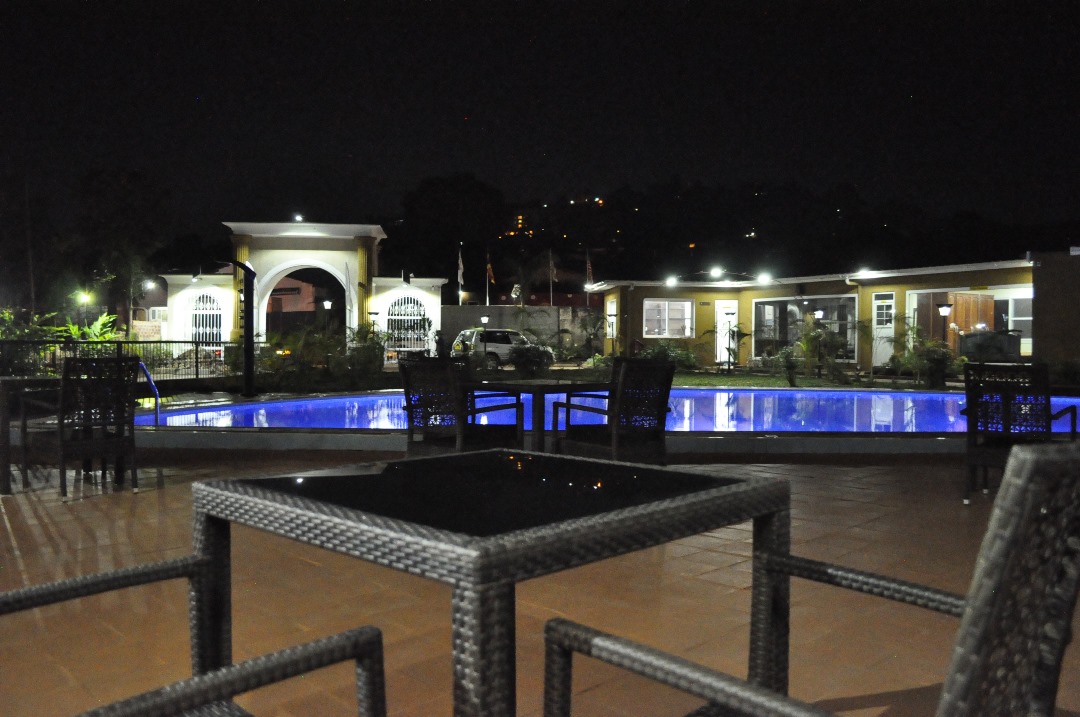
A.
pixel 84 298
pixel 328 304
pixel 671 281
pixel 716 272
pixel 819 314
pixel 764 277
pixel 149 284
pixel 298 217
pixel 484 319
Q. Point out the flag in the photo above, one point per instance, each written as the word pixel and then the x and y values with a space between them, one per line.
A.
pixel 460 269
pixel 588 270
pixel 551 267
pixel 490 273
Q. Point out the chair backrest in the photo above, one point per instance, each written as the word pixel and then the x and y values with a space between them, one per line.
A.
pixel 1016 623
pixel 641 392
pixel 432 391
pixel 1008 399
pixel 98 393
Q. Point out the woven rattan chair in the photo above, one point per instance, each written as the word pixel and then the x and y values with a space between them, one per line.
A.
pixel 1014 626
pixel 1007 405
pixel 442 416
pixel 209 692
pixel 95 419
pixel 635 415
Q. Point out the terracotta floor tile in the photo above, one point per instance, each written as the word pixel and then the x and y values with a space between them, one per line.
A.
pixel 851 653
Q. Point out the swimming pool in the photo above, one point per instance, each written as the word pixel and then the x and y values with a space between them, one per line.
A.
pixel 693 410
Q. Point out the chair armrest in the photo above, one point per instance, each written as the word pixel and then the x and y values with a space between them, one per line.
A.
pixel 85 585
pixel 568 407
pixel 1070 411
pixel 579 407
pixel 869 583
pixel 364 645
pixel 37 399
pixel 734 696
pixel 471 409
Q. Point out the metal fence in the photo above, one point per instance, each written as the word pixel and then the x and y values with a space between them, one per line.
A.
pixel 163 359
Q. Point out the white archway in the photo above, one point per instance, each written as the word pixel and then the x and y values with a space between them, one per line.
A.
pixel 348 252
pixel 265 283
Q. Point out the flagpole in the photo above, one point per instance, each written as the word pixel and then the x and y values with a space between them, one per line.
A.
pixel 551 279
pixel 460 274
pixel 588 279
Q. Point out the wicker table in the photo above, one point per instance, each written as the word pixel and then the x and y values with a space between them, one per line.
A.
pixel 483 521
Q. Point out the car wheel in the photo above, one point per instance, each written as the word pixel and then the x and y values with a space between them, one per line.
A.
pixel 491 362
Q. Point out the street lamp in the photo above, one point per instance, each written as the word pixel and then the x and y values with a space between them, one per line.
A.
pixel 819 314
pixel 484 320
pixel 944 310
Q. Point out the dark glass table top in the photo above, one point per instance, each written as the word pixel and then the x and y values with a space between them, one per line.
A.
pixel 493 492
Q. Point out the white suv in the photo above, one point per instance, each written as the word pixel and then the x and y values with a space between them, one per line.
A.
pixel 493 344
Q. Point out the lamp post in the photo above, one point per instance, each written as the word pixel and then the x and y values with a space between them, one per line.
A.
pixel 819 314
pixel 484 320
pixel 372 316
pixel 944 310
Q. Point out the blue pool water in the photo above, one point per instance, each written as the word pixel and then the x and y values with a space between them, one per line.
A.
pixel 704 410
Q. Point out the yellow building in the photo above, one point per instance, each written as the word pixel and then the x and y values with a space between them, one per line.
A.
pixel 872 312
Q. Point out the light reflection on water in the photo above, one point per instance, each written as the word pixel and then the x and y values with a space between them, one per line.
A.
pixel 704 410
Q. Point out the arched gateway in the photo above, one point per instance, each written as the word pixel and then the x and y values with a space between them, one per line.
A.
pixel 347 252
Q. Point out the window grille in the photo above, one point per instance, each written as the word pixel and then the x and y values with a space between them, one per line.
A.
pixel 206 319
pixel 407 325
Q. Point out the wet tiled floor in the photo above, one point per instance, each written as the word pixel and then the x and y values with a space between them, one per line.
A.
pixel 850 653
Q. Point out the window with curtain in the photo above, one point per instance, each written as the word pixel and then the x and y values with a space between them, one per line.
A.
pixel 668 319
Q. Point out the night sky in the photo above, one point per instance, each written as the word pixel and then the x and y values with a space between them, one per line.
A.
pixel 338 109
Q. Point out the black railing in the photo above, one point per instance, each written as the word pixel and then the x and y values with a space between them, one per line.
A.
pixel 164 360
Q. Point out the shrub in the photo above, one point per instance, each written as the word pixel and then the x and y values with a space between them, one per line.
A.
pixel 530 359
pixel 671 352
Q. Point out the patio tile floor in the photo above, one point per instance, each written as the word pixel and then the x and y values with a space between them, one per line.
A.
pixel 855 654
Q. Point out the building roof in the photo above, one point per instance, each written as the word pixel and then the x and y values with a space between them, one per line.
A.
pixel 853 277
pixel 305 229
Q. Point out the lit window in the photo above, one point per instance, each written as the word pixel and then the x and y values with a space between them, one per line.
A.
pixel 1020 317
pixel 668 319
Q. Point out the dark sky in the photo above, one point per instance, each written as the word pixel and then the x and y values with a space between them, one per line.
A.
pixel 336 109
